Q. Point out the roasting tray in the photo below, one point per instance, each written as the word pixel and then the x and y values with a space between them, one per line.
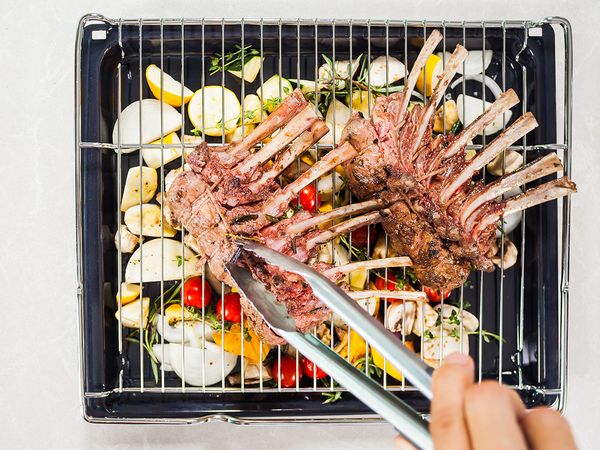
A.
pixel 526 304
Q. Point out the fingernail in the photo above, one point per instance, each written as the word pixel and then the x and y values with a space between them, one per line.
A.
pixel 457 359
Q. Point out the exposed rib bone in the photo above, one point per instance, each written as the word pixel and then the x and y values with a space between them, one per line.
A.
pixel 517 130
pixel 288 156
pixel 288 108
pixel 537 169
pixel 540 194
pixel 503 103
pixel 432 41
pixel 348 225
pixel 291 131
pixel 416 296
pixel 458 56
pixel 305 225
pixel 281 200
pixel 397 261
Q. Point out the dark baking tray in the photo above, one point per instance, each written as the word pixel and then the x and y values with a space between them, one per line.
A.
pixel 98 54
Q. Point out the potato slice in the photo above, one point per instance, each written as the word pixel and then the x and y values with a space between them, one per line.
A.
pixel 148 259
pixel 171 151
pixel 128 293
pixel 126 240
pixel 131 192
pixel 130 313
pixel 150 221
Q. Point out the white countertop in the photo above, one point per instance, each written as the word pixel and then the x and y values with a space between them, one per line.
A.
pixel 38 369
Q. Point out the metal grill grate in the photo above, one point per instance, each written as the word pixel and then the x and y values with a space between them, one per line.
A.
pixel 525 305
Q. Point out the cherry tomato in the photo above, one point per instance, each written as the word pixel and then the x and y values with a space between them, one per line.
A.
pixel 434 295
pixel 308 198
pixel 359 236
pixel 232 312
pixel 287 369
pixel 193 291
pixel 311 370
pixel 380 283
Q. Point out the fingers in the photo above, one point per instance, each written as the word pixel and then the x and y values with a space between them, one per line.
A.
pixel 450 383
pixel 493 415
pixel 403 444
pixel 546 429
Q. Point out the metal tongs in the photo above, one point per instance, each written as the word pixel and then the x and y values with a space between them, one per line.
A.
pixel 405 419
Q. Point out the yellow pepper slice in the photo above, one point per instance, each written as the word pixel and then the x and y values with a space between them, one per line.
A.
pixel 358 347
pixel 233 339
pixel 388 367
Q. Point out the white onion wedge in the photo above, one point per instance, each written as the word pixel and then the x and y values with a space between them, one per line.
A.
pixel 473 64
pixel 192 334
pixel 197 373
pixel 151 124
pixel 377 71
pixel 152 265
pixel 469 108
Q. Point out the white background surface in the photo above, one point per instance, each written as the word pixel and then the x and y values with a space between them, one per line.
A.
pixel 38 361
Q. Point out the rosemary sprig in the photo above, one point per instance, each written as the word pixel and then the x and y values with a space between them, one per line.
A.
pixel 232 60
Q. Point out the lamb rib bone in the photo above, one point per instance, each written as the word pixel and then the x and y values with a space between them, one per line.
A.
pixel 347 226
pixel 286 110
pixel 503 103
pixel 289 155
pixel 432 41
pixel 417 296
pixel 517 130
pixel 336 213
pixel 458 56
pixel 343 153
pixel 543 193
pixel 299 123
pixel 395 261
pixel 537 169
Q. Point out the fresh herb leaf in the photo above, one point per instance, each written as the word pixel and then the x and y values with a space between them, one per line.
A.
pixel 247 335
pixel 246 218
pixel 179 259
pixel 331 397
pixel 272 219
pixel 428 334
pixel 232 60
pixel 454 128
pixel 271 103
pixel 358 253
pixel 487 336
pixel 196 132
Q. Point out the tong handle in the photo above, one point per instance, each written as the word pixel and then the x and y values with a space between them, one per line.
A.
pixel 405 419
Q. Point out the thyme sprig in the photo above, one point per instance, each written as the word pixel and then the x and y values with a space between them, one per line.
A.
pixel 232 60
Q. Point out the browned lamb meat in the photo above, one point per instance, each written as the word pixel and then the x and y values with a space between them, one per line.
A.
pixel 439 218
pixel 230 191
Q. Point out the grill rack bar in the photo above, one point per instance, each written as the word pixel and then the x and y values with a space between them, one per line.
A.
pixel 119 147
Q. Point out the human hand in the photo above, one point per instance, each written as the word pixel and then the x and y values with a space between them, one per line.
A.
pixel 469 416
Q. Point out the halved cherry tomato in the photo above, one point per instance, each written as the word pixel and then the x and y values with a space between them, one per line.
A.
pixel 360 235
pixel 380 283
pixel 232 311
pixel 196 293
pixel 436 296
pixel 285 372
pixel 308 198
pixel 311 370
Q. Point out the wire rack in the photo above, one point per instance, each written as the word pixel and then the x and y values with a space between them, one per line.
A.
pixel 525 305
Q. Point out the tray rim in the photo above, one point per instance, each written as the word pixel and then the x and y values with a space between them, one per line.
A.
pixel 561 397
